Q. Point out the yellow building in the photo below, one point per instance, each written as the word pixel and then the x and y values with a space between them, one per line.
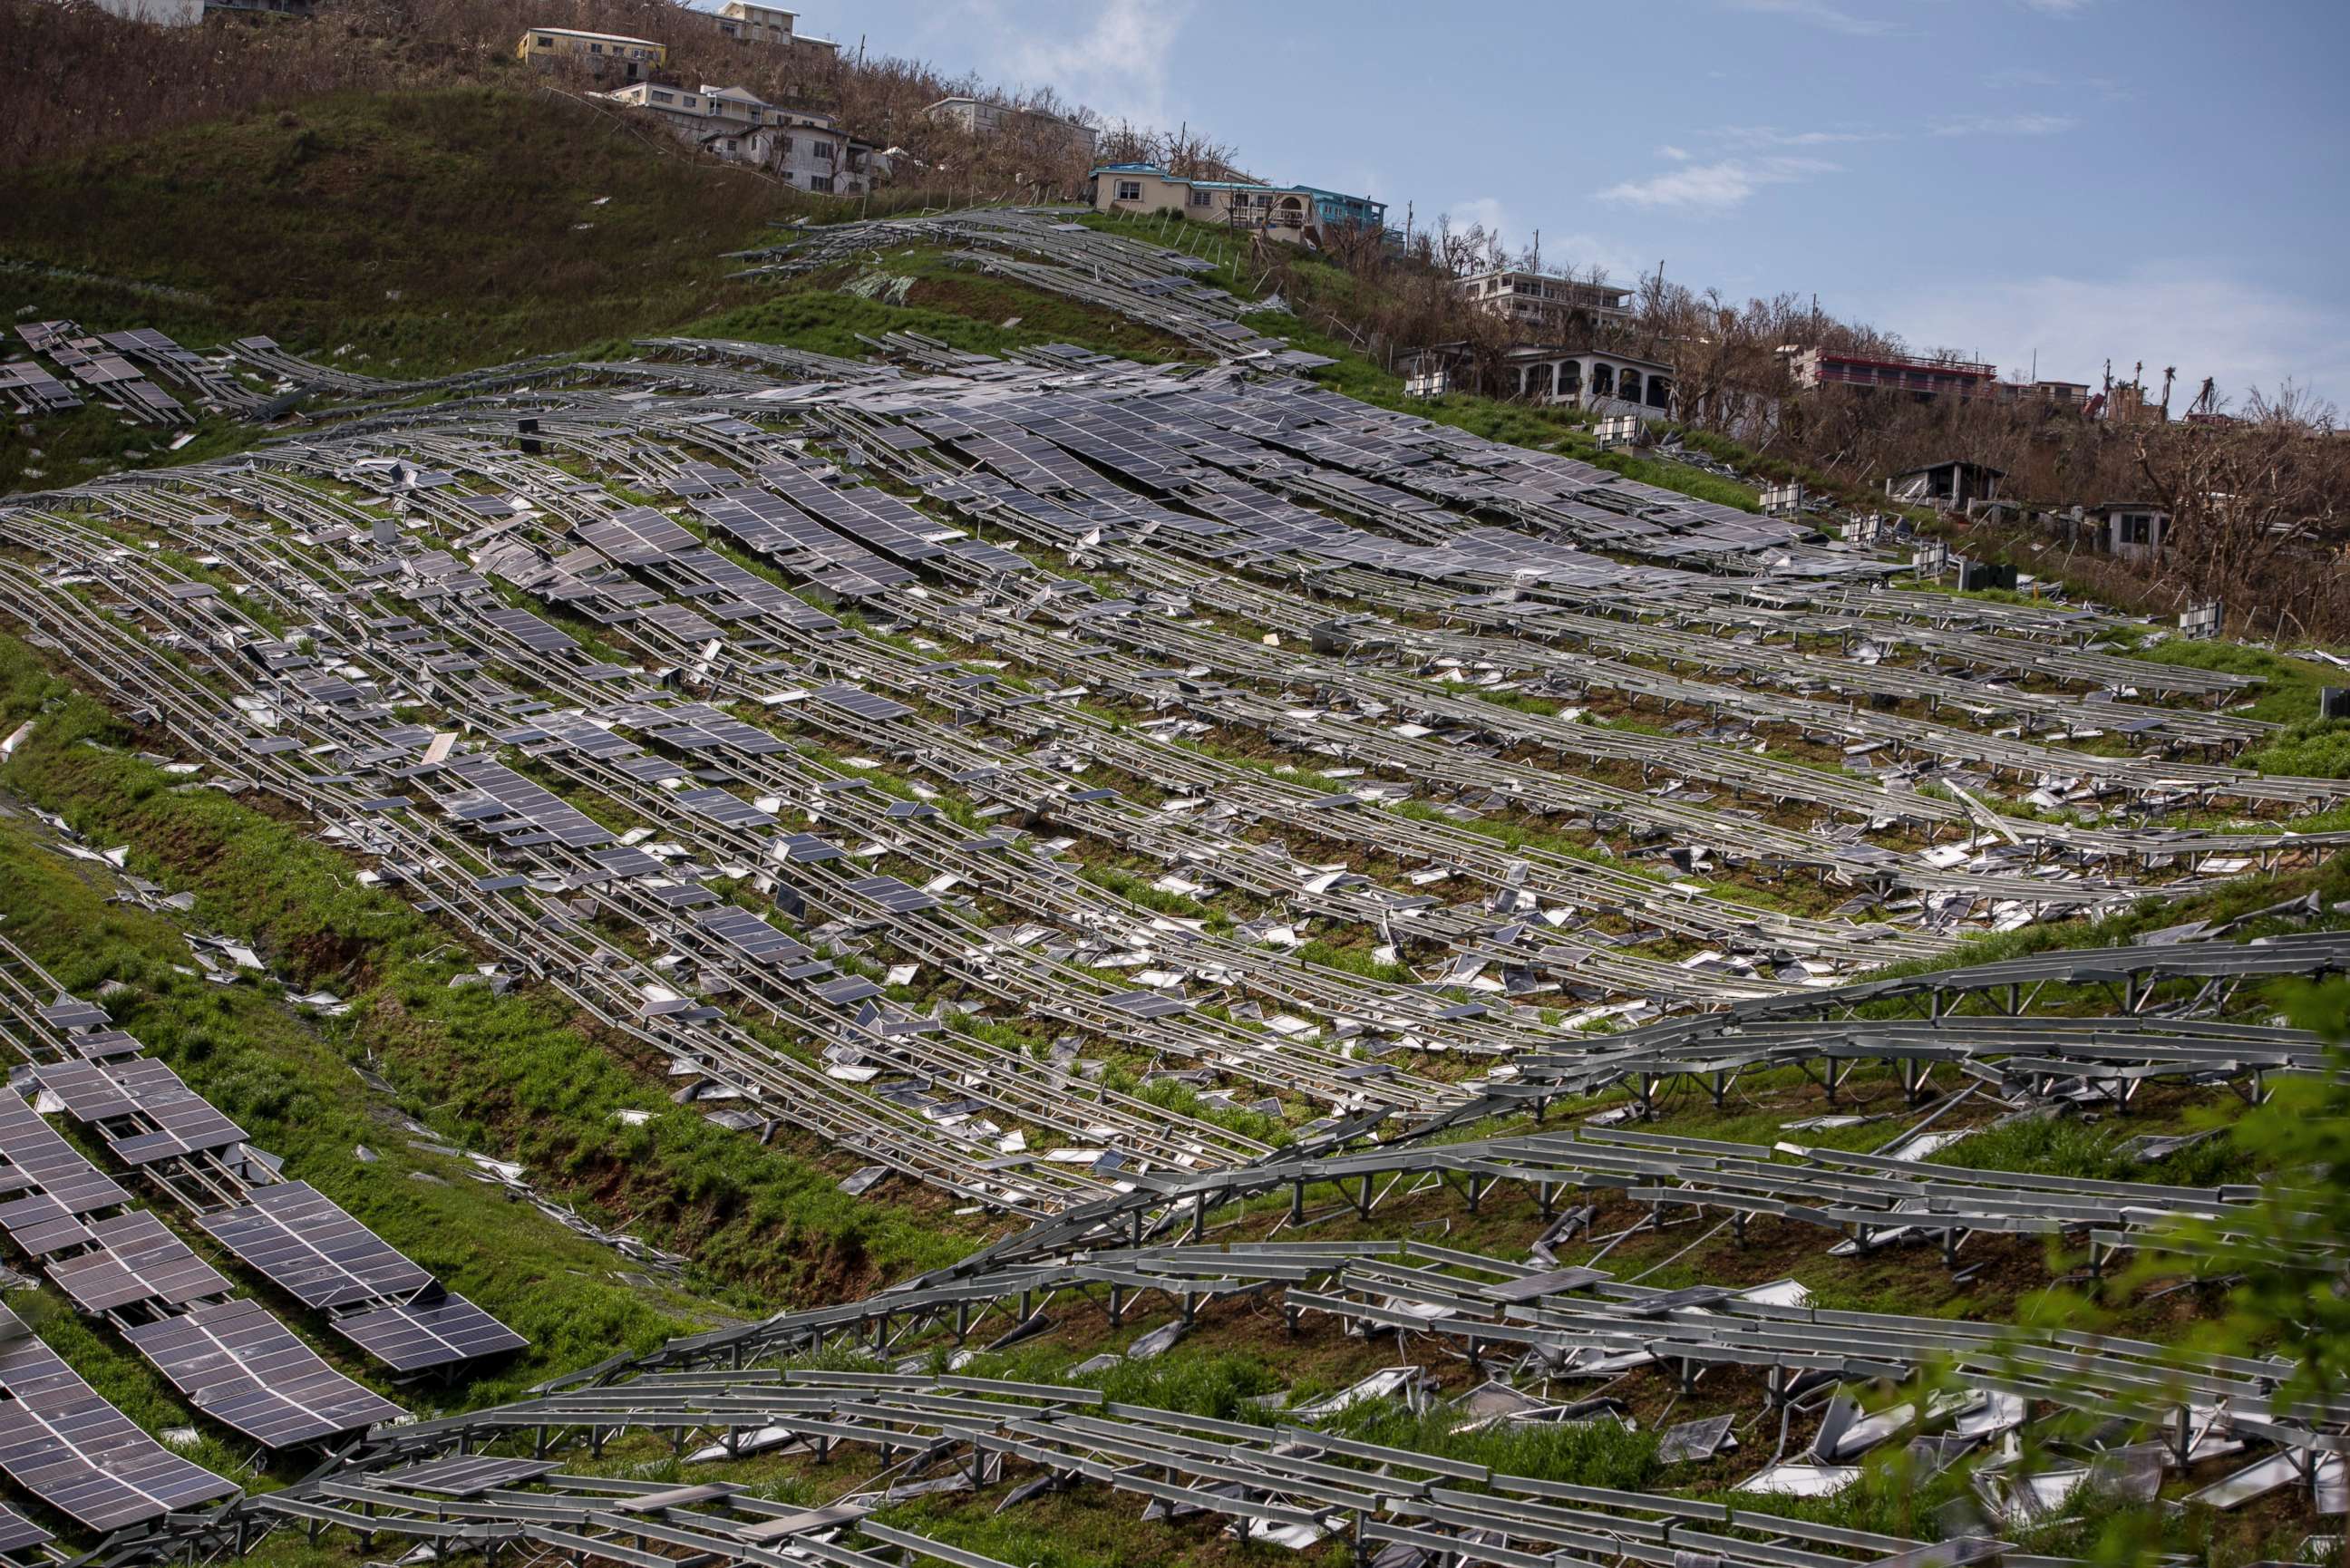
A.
pixel 602 54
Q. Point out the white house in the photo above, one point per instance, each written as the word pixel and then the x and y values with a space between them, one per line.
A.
pixel 2133 529
pixel 807 149
pixel 1544 303
pixel 1598 379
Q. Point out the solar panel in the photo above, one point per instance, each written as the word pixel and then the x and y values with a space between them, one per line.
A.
pixel 240 1366
pixel 805 848
pixel 1149 1003
pixel 78 1454
pixel 37 1157
pixel 17 1532
pixel 864 704
pixel 749 935
pixel 636 537
pixel 147 1091
pixel 418 1334
pixel 528 629
pixel 892 895
pixel 463 1475
pixel 723 807
pixel 303 1241
pixel 141 1260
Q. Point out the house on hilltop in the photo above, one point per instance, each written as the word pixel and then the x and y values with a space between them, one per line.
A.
pixel 1584 378
pixel 599 54
pixel 772 25
pixel 805 147
pixel 1545 304
pixel 987 118
pixel 1292 214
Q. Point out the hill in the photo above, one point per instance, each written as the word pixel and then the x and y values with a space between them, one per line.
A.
pixel 408 231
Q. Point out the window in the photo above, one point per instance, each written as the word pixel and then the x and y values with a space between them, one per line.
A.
pixel 1202 198
pixel 820 182
pixel 690 101
pixel 1129 189
pixel 823 150
pixel 664 98
pixel 594 48
pixel 544 42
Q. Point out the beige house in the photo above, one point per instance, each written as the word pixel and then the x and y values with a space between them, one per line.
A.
pixel 1292 215
pixel 601 53
pixel 807 149
pixel 765 25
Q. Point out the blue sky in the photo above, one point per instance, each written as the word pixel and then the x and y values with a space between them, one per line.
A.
pixel 2084 179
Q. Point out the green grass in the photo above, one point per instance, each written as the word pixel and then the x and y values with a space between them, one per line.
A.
pixel 1600 1454
pixel 2065 1146
pixel 2315 748
pixel 425 229
pixel 2288 692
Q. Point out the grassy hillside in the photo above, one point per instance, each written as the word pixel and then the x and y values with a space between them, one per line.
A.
pixel 426 231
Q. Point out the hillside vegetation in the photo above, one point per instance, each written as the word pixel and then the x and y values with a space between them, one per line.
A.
pixel 418 231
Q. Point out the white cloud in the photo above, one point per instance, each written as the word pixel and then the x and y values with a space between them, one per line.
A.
pixel 2026 124
pixel 2163 311
pixel 1118 66
pixel 1715 187
pixel 1771 136
pixel 2062 9
pixel 1817 14
pixel 1675 154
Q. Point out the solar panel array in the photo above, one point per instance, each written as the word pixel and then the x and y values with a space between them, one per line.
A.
pixel 237 1364
pixel 140 1107
pixel 139 1260
pixel 78 1454
pixel 412 1337
pixel 303 1241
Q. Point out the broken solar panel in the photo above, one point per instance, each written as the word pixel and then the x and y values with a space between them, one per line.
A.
pixel 240 1366
pixel 527 628
pixel 303 1241
pixel 505 803
pixel 863 703
pixel 892 895
pixel 463 1475
pixel 67 1447
pixel 723 807
pixel 748 935
pixel 413 1336
pixel 640 537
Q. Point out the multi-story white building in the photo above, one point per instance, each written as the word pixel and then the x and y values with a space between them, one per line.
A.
pixel 1544 304
pixel 807 149
pixel 986 118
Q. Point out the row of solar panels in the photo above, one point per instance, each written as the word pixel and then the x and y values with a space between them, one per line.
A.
pixel 232 1358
